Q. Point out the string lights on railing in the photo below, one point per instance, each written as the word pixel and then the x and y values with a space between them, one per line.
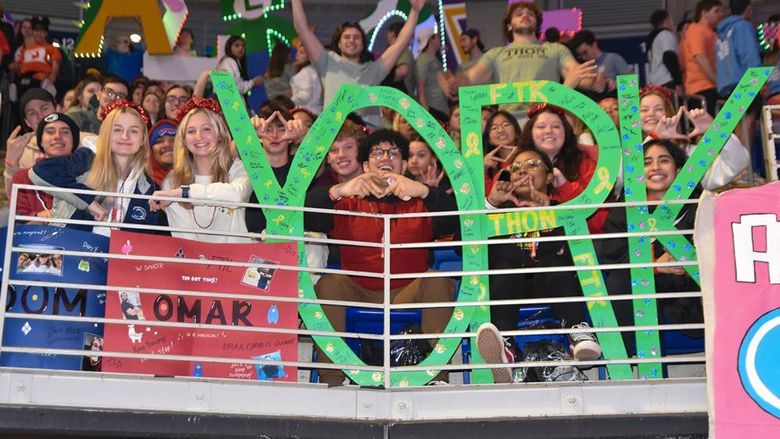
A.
pixel 389 15
pixel 274 33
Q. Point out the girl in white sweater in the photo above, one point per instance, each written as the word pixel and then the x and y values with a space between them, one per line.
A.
pixel 204 169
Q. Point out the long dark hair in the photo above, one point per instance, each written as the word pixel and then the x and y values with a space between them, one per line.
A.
pixel 365 55
pixel 280 54
pixel 568 158
pixel 486 135
pixel 242 61
pixel 678 154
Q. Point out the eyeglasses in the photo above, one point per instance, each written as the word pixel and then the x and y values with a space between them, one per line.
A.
pixel 529 165
pixel 113 94
pixel 500 126
pixel 379 153
pixel 174 99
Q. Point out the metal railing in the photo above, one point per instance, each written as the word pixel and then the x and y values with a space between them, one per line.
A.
pixel 386 275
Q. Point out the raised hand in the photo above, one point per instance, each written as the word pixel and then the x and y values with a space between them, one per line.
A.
pixel 502 192
pixel 360 186
pixel 403 187
pixel 558 178
pixel 491 160
pixel 15 146
pixel 432 177
pixel 295 130
pixel 537 198
pixel 668 127
pixel 417 4
pixel 700 119
pixel 259 123
pixel 586 70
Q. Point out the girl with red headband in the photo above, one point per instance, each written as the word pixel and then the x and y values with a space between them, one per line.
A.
pixel 203 168
pixel 660 121
pixel 116 162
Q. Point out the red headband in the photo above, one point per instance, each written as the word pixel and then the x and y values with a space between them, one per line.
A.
pixel 196 102
pixel 535 109
pixel 305 110
pixel 122 103
pixel 650 88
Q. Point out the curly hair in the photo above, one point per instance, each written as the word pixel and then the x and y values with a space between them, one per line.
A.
pixel 507 20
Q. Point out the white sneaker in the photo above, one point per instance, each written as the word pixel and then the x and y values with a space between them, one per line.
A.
pixel 493 349
pixel 585 347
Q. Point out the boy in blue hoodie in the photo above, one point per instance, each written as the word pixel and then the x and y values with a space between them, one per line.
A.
pixel 737 47
pixel 736 51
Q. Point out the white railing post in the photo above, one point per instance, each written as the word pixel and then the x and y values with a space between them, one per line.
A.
pixel 386 302
pixel 7 264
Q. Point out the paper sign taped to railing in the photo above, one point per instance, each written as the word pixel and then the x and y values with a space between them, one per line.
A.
pixel 239 335
pixel 39 261
pixel 742 299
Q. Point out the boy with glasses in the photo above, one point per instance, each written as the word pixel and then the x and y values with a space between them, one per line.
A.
pixel 383 189
pixel 114 89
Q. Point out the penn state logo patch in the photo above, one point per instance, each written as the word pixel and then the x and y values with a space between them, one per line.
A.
pixel 138 213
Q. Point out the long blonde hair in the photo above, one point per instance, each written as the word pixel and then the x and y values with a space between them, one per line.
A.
pixel 105 173
pixel 183 162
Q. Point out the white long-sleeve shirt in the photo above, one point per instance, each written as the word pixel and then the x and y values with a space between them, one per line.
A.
pixel 238 189
pixel 229 64
pixel 307 89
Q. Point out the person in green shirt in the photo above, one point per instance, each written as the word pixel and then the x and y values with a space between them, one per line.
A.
pixel 525 58
pixel 429 71
pixel 349 61
pixel 472 46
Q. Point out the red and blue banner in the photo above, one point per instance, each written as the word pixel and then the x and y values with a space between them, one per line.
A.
pixel 143 310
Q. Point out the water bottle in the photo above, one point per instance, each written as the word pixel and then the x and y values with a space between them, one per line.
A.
pixel 197 371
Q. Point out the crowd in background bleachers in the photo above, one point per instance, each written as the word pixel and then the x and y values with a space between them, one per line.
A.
pixel 119 131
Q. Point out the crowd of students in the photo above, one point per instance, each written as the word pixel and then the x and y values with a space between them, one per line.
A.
pixel 169 140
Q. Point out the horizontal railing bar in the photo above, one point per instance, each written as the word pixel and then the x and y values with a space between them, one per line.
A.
pixel 192 261
pixel 421 305
pixel 600 236
pixel 260 237
pixel 51 189
pixel 207 201
pixel 545 208
pixel 356 335
pixel 558 331
pixel 556 269
pixel 173 357
pixel 574 363
pixel 296 299
pixel 228 328
pixel 343 366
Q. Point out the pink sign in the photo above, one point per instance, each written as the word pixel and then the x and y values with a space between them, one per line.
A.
pixel 745 355
pixel 568 21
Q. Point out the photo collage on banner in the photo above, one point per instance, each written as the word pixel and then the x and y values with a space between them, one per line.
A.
pixel 245 316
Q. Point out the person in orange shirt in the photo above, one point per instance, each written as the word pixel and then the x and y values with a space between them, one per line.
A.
pixel 698 49
pixel 39 59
